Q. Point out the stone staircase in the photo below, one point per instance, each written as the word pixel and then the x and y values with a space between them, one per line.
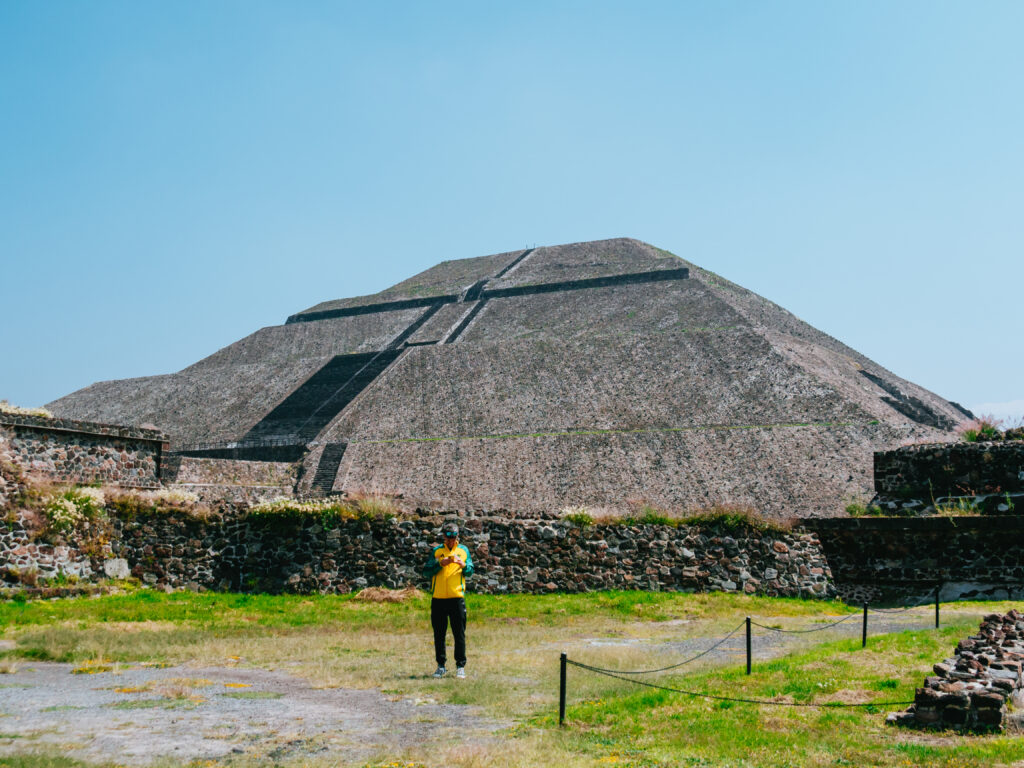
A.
pixel 311 407
pixel 327 469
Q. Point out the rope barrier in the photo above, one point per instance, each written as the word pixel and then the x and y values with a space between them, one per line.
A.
pixel 739 700
pixel 621 674
pixel 805 631
pixel 674 666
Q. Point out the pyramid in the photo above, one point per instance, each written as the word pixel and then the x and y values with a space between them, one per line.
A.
pixel 600 374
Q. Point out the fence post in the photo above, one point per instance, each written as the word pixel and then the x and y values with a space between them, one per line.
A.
pixel 561 692
pixel 748 645
pixel 938 589
pixel 864 631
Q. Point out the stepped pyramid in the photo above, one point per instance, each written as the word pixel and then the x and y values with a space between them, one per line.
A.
pixel 595 374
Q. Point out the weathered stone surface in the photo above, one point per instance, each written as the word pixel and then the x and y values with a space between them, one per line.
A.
pixel 116 568
pixel 83 452
pixel 511 555
pixel 979 704
pixel 918 476
pixel 660 382
pixel 905 559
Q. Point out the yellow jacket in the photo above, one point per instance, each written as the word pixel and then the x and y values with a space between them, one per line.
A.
pixel 449 580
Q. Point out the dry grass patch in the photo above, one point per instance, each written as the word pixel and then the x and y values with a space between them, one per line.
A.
pixel 385 595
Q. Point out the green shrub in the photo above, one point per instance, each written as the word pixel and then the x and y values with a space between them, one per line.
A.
pixel 735 519
pixel 73 507
pixel 959 507
pixel 650 516
pixel 721 516
pixel 865 510
pixel 578 516
pixel 981 429
pixel 328 512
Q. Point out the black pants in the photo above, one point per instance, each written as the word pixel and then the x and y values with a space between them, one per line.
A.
pixel 442 611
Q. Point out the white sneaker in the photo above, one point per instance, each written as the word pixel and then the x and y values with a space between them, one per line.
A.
pixel 441 671
pixel 461 673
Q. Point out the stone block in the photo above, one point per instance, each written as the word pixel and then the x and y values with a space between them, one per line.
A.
pixel 116 568
pixel 956 716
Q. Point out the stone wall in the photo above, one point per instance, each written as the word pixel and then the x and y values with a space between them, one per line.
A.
pixel 227 550
pixel 25 559
pixel 905 559
pixel 918 476
pixel 84 452
pixel 533 556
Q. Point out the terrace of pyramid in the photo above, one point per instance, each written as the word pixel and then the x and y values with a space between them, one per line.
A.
pixel 601 374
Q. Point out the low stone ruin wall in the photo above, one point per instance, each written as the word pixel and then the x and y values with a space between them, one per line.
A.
pixel 533 556
pixel 916 477
pixel 970 691
pixel 228 551
pixel 83 451
pixel 30 559
pixel 906 559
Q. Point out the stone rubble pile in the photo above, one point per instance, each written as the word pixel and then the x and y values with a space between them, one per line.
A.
pixel 971 691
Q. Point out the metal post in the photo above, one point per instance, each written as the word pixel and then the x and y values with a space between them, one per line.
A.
pixel 748 645
pixel 864 631
pixel 938 589
pixel 561 692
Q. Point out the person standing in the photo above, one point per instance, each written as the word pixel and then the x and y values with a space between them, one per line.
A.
pixel 447 569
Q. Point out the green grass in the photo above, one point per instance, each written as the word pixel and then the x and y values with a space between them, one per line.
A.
pixel 155 704
pixel 671 729
pixel 229 612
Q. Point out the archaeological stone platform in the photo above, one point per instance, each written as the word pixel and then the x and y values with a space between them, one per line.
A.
pixel 599 374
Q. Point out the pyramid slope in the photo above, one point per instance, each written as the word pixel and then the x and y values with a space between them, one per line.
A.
pixel 588 373
pixel 221 397
pixel 446 278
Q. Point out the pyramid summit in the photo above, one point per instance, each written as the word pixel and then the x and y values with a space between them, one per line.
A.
pixel 591 374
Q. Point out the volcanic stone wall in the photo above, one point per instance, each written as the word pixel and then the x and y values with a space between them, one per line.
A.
pixel 906 559
pixel 227 551
pixel 84 452
pixel 928 472
pixel 533 556
pixel 26 559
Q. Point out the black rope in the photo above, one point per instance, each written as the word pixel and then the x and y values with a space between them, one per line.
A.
pixel 805 631
pixel 738 700
pixel 663 669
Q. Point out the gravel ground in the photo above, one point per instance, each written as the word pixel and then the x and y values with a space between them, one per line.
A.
pixel 237 712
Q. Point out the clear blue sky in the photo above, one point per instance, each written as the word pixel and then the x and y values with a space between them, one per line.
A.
pixel 176 175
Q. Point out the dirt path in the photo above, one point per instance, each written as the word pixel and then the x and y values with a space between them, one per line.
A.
pixel 135 715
